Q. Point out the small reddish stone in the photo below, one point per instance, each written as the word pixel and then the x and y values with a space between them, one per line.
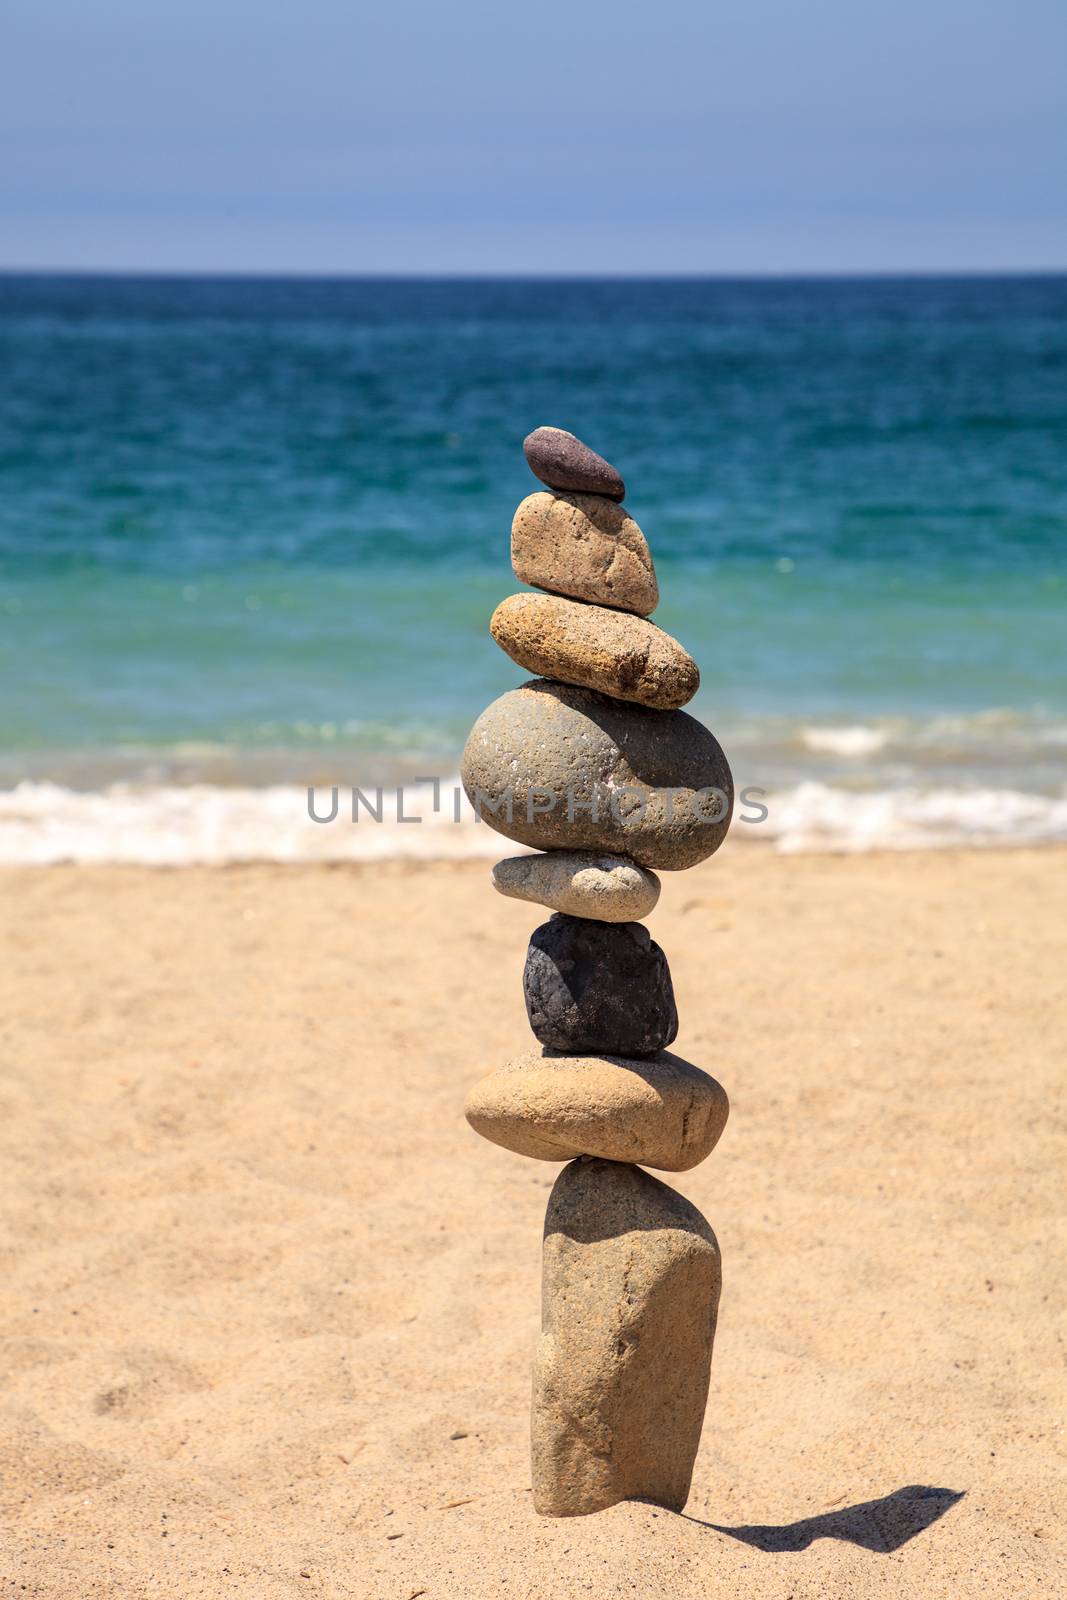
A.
pixel 564 462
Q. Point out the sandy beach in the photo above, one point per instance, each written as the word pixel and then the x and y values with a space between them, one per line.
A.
pixel 270 1304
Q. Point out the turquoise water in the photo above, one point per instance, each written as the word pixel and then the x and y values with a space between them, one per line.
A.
pixel 253 531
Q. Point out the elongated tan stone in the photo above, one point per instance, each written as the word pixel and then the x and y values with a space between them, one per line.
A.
pixel 610 651
pixel 660 1111
pixel 581 883
pixel 585 546
pixel 630 1291
pixel 563 768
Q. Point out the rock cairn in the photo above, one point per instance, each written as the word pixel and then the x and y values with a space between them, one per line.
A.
pixel 594 764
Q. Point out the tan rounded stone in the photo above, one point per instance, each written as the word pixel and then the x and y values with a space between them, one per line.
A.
pixel 610 651
pixel 585 546
pixel 581 883
pixel 558 767
pixel 661 1111
pixel 629 1298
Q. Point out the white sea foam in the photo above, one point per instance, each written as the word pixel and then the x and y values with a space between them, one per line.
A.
pixel 857 741
pixel 44 823
pixel 170 825
pixel 815 816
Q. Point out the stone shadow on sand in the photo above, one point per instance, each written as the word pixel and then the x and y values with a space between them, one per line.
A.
pixel 879 1525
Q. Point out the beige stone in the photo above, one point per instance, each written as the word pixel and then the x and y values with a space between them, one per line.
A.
pixel 586 546
pixel 610 651
pixel 540 758
pixel 630 1291
pixel 660 1111
pixel 581 883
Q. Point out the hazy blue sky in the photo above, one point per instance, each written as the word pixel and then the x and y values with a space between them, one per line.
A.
pixel 563 135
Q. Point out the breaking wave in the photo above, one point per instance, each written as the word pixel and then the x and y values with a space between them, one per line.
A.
pixel 175 825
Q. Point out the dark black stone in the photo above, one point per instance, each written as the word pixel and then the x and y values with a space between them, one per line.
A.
pixel 564 462
pixel 598 988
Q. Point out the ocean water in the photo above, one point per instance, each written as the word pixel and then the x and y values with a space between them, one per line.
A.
pixel 251 532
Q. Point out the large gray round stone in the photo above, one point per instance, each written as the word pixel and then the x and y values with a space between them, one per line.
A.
pixel 558 767
pixel 598 987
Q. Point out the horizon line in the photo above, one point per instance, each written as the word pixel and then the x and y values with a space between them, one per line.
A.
pixel 761 275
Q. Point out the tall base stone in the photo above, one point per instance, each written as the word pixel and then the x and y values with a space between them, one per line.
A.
pixel 630 1291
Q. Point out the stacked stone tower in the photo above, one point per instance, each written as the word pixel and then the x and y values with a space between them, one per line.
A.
pixel 593 763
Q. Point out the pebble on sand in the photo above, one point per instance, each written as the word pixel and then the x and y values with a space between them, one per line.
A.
pixel 613 652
